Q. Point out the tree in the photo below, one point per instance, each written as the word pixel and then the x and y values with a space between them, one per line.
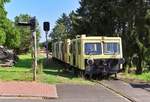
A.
pixel 2 9
pixel 12 35
pixel 124 18
pixel 2 36
pixel 25 33
pixel 2 16
pixel 9 35
pixel 129 19
pixel 63 28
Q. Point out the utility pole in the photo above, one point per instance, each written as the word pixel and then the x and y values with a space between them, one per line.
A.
pixel 32 25
pixel 34 55
pixel 34 46
pixel 46 27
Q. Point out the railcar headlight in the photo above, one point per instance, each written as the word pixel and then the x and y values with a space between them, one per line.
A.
pixel 90 61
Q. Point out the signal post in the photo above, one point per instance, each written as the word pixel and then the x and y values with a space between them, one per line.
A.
pixel 32 25
pixel 46 27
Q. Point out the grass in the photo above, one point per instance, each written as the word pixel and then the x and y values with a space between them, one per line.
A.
pixel 51 74
pixel 54 77
pixel 144 77
pixel 22 71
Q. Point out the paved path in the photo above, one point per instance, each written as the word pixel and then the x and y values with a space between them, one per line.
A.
pixel 27 89
pixel 92 93
pixel 78 93
pixel 86 93
pixel 138 92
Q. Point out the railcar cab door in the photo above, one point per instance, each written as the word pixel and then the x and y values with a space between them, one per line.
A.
pixel 75 52
pixel 72 53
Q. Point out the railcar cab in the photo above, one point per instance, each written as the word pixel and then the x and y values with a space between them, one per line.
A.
pixel 96 55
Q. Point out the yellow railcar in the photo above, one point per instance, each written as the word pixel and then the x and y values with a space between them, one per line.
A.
pixel 92 55
pixel 60 50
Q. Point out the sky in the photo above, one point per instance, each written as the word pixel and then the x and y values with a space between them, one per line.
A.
pixel 44 10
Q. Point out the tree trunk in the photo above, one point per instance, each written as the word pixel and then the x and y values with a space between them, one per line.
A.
pixel 139 68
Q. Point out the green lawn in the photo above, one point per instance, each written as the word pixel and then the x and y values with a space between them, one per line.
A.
pixel 22 71
pixel 144 77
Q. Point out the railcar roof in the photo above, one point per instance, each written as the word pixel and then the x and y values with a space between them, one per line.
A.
pixel 96 37
pixel 84 37
pixel 100 37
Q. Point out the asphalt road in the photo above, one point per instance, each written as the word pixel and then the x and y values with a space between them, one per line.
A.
pixel 78 93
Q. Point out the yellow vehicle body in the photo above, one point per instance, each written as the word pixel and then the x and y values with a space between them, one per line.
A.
pixel 77 55
pixel 66 51
pixel 73 53
pixel 60 50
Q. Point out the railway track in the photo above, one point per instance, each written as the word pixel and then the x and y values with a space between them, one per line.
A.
pixel 115 91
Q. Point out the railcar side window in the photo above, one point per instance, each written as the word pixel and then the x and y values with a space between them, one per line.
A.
pixel 79 48
pixel 70 48
pixel 57 48
pixel 74 48
pixel 111 48
pixel 62 47
pixel 93 48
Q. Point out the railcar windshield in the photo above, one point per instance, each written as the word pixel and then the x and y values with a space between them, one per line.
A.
pixel 111 48
pixel 93 48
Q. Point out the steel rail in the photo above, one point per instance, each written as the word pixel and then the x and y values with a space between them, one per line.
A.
pixel 115 91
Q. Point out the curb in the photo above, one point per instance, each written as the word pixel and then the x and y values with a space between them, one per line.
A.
pixel 25 97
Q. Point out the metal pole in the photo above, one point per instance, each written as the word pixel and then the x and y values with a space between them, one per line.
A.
pixel 46 46
pixel 34 55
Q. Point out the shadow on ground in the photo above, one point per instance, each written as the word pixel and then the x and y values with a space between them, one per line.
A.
pixel 24 63
pixel 56 68
pixel 144 86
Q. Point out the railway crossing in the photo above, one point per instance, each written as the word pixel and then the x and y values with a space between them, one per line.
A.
pixel 100 92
